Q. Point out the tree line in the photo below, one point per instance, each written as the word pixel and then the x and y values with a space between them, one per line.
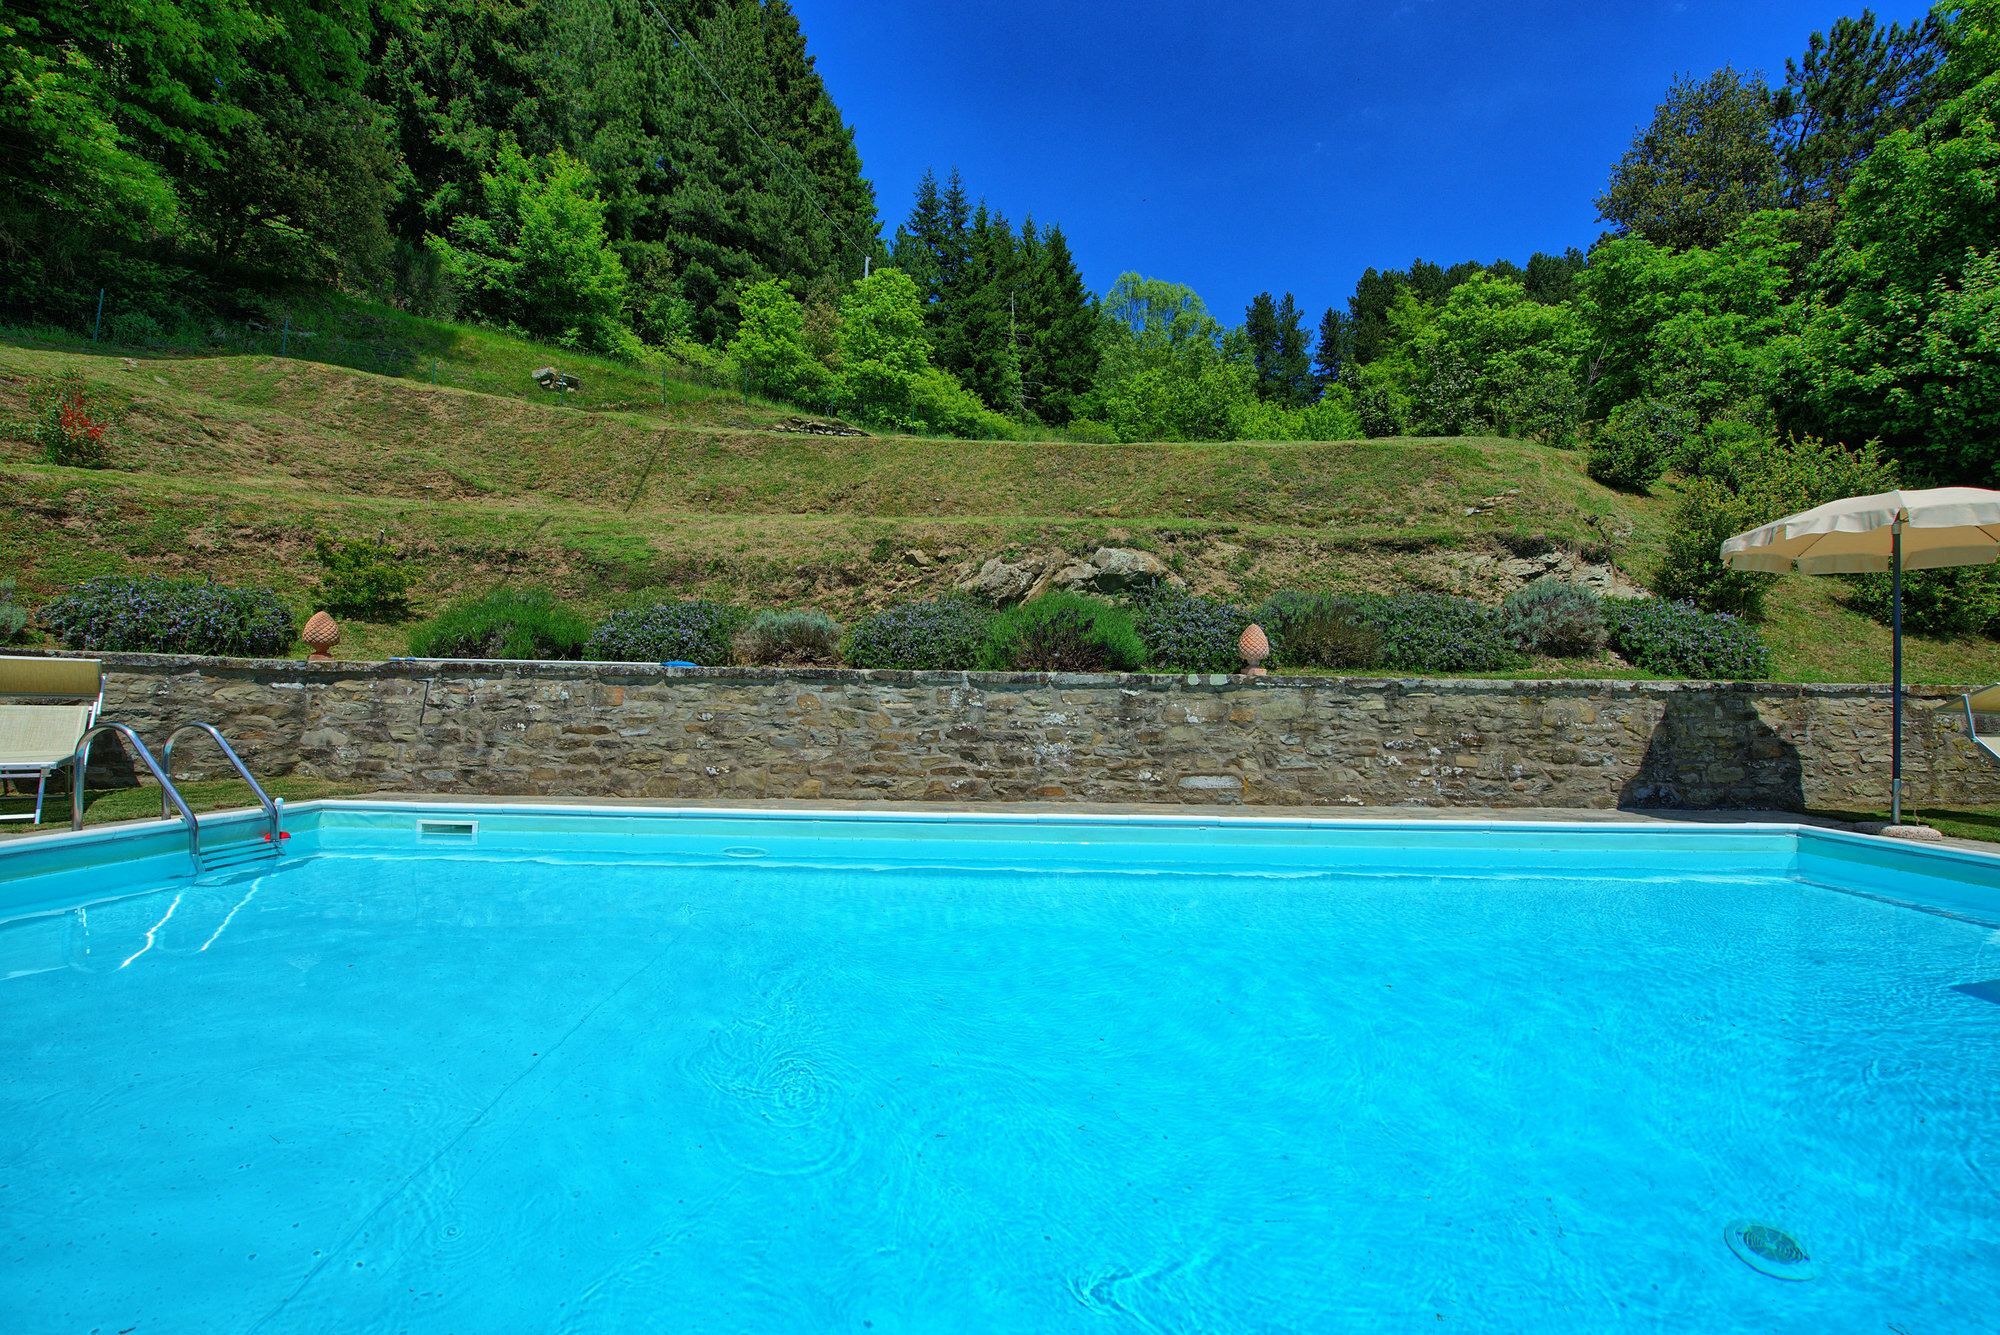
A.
pixel 1819 258
pixel 596 171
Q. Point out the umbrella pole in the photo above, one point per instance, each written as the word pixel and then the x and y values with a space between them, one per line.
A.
pixel 1896 674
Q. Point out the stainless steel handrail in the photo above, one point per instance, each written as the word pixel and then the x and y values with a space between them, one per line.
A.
pixel 272 807
pixel 168 793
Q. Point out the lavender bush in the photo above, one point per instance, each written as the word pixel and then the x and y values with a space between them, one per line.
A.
pixel 1184 632
pixel 944 633
pixel 694 632
pixel 1553 618
pixel 1434 632
pixel 162 616
pixel 1681 640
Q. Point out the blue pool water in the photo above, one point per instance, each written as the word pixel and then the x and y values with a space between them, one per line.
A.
pixel 558 1073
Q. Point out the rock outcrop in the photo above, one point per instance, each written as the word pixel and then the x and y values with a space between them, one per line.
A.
pixel 1108 570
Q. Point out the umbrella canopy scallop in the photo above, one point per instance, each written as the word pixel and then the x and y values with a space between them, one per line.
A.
pixel 1942 526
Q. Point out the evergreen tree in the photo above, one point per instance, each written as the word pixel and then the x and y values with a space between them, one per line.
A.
pixel 934 247
pixel 1855 85
pixel 950 338
pixel 1060 350
pixel 1368 313
pixel 917 244
pixel 1279 351
pixel 1430 283
pixel 1551 279
pixel 1705 162
pixel 987 315
pixel 1332 352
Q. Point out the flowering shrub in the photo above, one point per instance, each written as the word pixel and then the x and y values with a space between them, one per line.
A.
pixel 506 623
pixel 690 632
pixel 1434 632
pixel 1681 640
pixel 164 616
pixel 789 638
pixel 1553 618
pixel 1319 630
pixel 1064 632
pixel 69 430
pixel 943 633
pixel 1188 633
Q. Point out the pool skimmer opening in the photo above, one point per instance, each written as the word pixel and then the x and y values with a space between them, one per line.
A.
pixel 1769 1250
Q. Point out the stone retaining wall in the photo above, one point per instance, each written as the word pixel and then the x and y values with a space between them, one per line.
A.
pixel 641 731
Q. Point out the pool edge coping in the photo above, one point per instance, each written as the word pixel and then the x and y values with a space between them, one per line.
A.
pixel 1689 823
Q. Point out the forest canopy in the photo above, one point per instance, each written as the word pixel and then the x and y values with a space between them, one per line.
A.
pixel 1815 257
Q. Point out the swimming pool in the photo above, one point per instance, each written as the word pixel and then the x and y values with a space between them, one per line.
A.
pixel 509 1068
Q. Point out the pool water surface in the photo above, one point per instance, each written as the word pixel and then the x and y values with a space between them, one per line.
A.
pixel 727 1075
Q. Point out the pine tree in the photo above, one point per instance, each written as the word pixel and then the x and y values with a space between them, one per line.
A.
pixel 1551 279
pixel 1260 332
pixel 1292 370
pixel 1368 313
pixel 986 319
pixel 1061 353
pixel 934 247
pixel 1279 350
pixel 1332 351
pixel 1855 85
pixel 915 249
pixel 951 342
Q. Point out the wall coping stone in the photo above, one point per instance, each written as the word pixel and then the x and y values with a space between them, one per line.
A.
pixel 306 670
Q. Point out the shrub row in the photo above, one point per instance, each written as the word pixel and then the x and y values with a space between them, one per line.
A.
pixel 1680 640
pixel 1167 629
pixel 164 616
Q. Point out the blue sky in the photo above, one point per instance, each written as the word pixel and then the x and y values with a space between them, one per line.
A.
pixel 1278 143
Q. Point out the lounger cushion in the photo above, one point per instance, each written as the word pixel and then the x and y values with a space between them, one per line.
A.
pixel 1986 701
pixel 38 736
pixel 63 678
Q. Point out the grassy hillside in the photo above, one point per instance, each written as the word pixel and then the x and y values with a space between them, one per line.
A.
pixel 226 465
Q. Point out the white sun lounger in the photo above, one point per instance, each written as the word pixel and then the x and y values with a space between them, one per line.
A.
pixel 45 705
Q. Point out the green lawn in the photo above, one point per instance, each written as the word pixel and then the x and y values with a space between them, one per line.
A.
pixel 116 804
pixel 226 464
pixel 1958 822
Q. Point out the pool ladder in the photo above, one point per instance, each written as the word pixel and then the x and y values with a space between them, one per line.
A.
pixel 267 845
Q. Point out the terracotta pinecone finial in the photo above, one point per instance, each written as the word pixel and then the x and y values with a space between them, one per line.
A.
pixel 1255 646
pixel 321 633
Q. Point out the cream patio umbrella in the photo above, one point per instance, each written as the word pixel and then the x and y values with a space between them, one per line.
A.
pixel 1890 531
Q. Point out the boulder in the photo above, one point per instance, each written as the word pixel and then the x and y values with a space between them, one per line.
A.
pixel 1001 582
pixel 817 426
pixel 1072 576
pixel 1121 570
pixel 1108 570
